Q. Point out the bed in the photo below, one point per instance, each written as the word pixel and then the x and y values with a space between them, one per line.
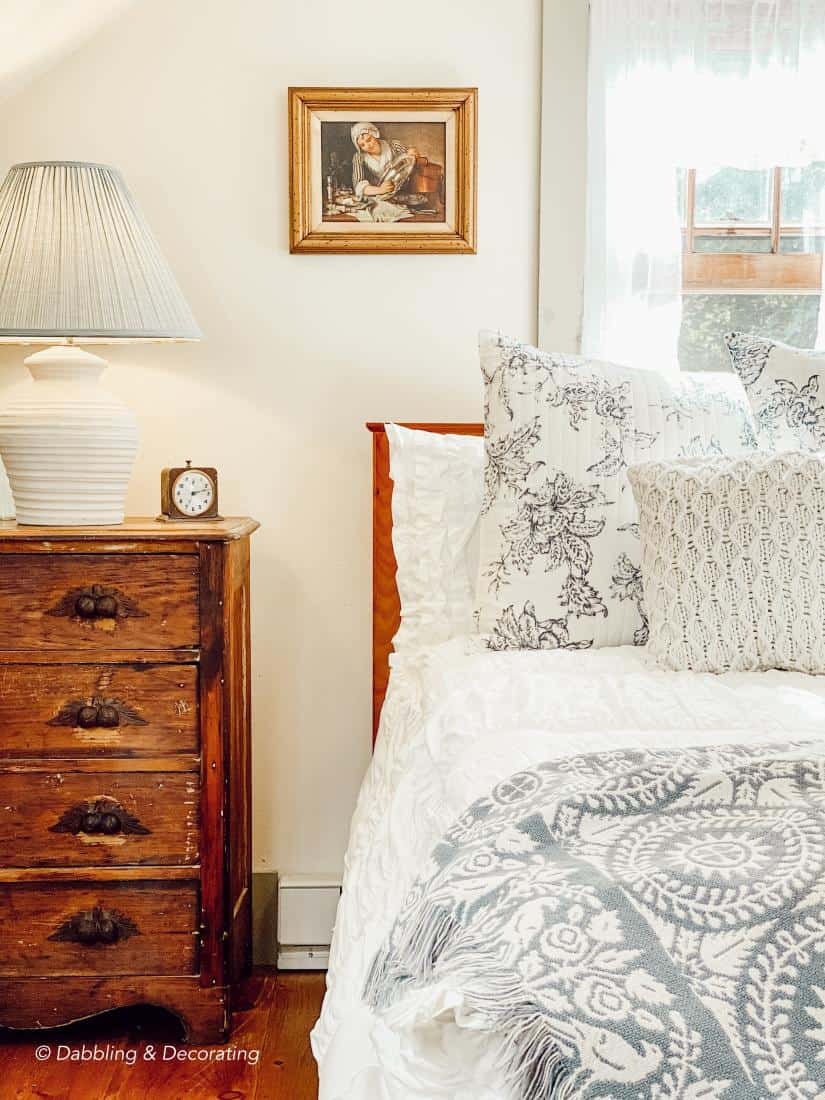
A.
pixel 452 721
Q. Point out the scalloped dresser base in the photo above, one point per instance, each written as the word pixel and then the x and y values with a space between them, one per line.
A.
pixel 35 1003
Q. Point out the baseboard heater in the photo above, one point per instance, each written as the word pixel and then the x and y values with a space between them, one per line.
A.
pixel 307 905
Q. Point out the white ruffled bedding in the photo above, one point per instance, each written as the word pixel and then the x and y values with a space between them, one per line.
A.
pixel 458 719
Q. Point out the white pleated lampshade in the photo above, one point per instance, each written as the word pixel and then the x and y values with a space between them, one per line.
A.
pixel 77 260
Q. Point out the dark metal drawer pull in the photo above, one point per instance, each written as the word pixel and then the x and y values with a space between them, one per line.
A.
pixel 96 926
pixel 102 816
pixel 97 713
pixel 96 601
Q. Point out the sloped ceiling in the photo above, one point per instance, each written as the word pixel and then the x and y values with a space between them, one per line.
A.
pixel 35 34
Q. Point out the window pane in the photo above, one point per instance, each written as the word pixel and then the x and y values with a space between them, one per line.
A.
pixel 706 318
pixel 733 195
pixel 731 244
pixel 803 194
pixel 801 242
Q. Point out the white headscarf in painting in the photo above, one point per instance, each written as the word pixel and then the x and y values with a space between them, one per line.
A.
pixel 359 128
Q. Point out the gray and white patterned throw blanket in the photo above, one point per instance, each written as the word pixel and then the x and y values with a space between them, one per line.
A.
pixel 635 925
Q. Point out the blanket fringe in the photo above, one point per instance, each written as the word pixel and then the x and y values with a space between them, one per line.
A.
pixel 413 961
pixel 535 1066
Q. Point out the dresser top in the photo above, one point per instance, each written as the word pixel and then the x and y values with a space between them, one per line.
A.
pixel 136 528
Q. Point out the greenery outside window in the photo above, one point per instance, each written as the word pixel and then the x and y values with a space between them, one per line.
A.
pixel 752 257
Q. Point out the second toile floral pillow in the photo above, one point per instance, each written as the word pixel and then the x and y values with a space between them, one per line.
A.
pixel 559 558
pixel 786 389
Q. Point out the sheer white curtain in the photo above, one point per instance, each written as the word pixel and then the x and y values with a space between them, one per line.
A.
pixel 674 84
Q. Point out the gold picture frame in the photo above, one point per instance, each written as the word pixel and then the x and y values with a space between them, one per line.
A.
pixel 382 170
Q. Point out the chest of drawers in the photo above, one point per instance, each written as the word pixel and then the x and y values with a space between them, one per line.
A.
pixel 125 849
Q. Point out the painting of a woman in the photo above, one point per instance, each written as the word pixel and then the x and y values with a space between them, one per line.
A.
pixel 372 156
pixel 382 169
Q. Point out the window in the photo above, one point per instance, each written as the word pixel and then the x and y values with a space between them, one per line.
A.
pixel 753 245
pixel 745 230
pixel 724 83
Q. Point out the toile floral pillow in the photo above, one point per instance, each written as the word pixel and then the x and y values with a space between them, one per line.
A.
pixel 559 538
pixel 786 390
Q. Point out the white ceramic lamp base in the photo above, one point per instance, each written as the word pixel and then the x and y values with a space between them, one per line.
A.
pixel 67 444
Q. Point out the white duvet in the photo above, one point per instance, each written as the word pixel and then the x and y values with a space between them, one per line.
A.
pixel 456 720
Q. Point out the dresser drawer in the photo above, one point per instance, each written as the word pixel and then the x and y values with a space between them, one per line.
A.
pixel 131 709
pixel 98 928
pixel 73 819
pixel 88 602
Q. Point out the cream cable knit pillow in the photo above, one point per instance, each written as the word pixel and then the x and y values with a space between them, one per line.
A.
pixel 733 561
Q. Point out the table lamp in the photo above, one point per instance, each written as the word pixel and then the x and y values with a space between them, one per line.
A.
pixel 78 265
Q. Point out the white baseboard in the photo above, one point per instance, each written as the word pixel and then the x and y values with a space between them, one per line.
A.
pixel 303 958
pixel 305 923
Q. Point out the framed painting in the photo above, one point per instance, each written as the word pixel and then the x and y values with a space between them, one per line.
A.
pixel 382 169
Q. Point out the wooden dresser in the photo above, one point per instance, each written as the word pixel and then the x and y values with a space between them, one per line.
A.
pixel 125 868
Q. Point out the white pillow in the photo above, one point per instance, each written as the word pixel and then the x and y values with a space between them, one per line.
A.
pixel 436 502
pixel 733 561
pixel 559 532
pixel 786 389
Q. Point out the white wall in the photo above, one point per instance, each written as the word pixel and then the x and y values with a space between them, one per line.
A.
pixel 188 99
pixel 35 33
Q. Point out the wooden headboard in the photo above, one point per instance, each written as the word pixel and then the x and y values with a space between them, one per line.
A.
pixel 386 605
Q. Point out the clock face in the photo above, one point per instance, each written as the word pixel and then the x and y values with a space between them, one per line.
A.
pixel 193 492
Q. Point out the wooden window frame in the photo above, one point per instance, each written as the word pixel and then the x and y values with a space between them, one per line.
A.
pixel 773 272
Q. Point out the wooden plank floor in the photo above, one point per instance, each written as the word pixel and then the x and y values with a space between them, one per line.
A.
pixel 274 1018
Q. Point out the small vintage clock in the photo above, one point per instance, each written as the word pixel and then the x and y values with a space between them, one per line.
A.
pixel 189 492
